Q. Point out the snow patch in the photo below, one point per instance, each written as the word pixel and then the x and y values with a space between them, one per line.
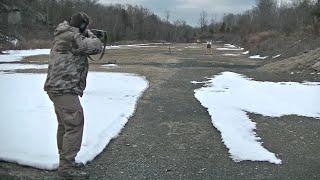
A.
pixel 246 52
pixel 192 47
pixel 229 49
pixel 139 46
pixel 109 65
pixel 17 55
pixel 229 96
pixel 276 56
pixel 231 54
pixel 230 46
pixel 197 82
pixel 112 47
pixel 258 57
pixel 10 67
pixel 28 123
pixel 132 46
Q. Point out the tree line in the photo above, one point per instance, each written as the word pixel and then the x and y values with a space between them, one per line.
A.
pixel 269 15
pixel 123 22
pixel 128 22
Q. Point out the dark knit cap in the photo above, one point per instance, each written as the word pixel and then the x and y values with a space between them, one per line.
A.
pixel 79 18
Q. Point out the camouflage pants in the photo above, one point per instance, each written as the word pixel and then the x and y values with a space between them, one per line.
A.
pixel 70 127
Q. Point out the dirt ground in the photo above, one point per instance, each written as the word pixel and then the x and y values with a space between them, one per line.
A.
pixel 170 136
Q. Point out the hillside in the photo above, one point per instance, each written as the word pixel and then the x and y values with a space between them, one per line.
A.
pixel 305 63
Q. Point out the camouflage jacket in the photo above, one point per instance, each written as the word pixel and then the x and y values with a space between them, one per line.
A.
pixel 68 63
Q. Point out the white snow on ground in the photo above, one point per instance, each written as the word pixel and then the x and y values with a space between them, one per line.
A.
pixel 132 46
pixel 9 67
pixel 192 47
pixel 229 96
pixel 230 47
pixel 276 56
pixel 139 45
pixel 197 82
pixel 231 54
pixel 109 65
pixel 28 124
pixel 258 57
pixel 17 55
pixel 112 47
pixel 246 52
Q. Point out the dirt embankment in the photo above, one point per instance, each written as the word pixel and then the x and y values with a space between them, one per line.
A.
pixel 305 63
pixel 296 53
pixel 271 43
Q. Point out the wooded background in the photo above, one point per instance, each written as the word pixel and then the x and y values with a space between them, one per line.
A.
pixel 34 21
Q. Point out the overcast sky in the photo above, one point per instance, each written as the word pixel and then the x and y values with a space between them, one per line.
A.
pixel 189 10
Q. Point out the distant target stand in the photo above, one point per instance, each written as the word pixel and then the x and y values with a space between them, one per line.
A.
pixel 209 47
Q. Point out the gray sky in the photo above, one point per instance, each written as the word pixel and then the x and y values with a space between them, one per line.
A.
pixel 189 10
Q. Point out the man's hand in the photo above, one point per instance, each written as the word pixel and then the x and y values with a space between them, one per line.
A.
pixel 87 33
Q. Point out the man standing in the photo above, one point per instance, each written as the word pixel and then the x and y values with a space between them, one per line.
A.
pixel 66 80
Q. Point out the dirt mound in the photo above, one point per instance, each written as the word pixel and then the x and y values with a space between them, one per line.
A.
pixel 308 62
pixel 262 36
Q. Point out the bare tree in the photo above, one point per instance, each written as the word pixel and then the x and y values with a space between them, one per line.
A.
pixel 203 21
pixel 167 15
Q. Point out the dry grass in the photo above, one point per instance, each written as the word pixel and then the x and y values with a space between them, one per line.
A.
pixel 262 36
pixel 35 44
pixel 302 63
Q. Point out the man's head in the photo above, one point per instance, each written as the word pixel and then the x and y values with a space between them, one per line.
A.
pixel 79 20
